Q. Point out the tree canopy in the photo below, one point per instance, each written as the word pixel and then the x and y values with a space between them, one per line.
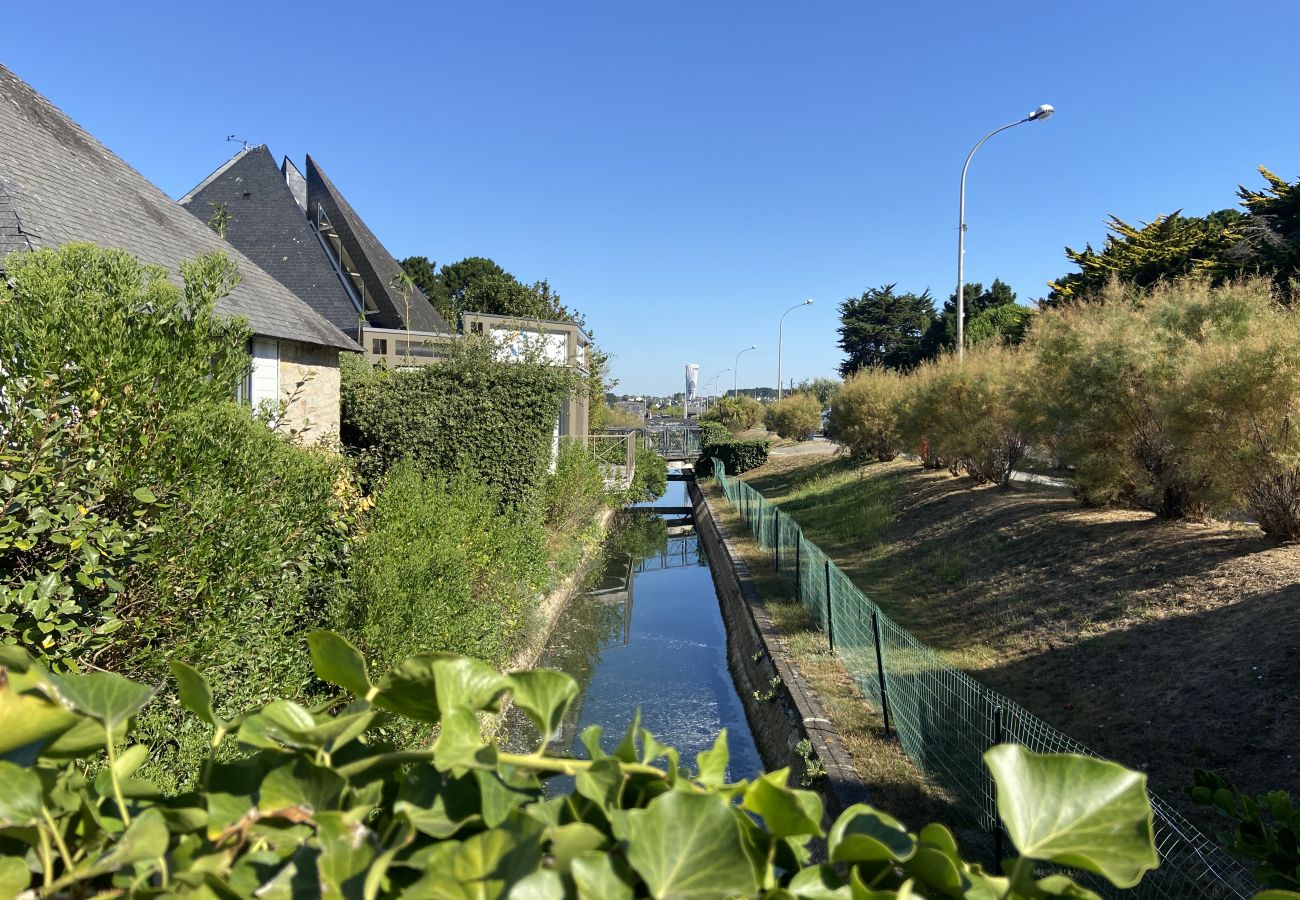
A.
pixel 883 327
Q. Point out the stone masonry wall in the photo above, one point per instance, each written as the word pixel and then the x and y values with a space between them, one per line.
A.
pixel 309 384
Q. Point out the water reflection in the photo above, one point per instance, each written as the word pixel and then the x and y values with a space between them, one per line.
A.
pixel 647 634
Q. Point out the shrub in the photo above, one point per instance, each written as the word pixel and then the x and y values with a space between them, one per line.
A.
pixel 571 495
pixel 737 456
pixel 736 413
pixel 97 353
pixel 442 568
pixel 1237 408
pixel 471 409
pixel 1108 375
pixel 319 806
pixel 967 412
pixel 651 479
pixel 796 416
pixel 713 433
pixel 864 417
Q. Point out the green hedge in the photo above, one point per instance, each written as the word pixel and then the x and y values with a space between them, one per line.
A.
pixel 737 456
pixel 713 433
pixel 470 410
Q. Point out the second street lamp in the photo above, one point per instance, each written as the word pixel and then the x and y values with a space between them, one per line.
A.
pixel 1036 116
pixel 735 372
pixel 780 341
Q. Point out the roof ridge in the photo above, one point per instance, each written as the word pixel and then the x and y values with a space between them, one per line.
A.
pixel 219 171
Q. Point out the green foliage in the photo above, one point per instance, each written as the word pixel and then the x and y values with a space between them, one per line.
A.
pixel 1264 829
pixel 864 416
pixel 941 336
pixel 1235 410
pixel 1006 324
pixel 1270 233
pixel 736 414
pixel 883 328
pixel 317 804
pixel 737 456
pixel 571 495
pixel 651 478
pixel 824 389
pixel 712 432
pixel 441 567
pixel 469 410
pixel 97 353
pixel 967 413
pixel 1166 248
pixel 796 416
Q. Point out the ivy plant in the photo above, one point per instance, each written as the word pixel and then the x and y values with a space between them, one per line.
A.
pixel 316 805
pixel 1265 829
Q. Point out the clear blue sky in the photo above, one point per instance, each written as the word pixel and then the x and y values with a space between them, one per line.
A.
pixel 684 171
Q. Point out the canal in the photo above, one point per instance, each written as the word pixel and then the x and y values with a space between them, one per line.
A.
pixel 648 634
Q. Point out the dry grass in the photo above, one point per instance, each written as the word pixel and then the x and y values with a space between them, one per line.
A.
pixel 895 784
pixel 1165 645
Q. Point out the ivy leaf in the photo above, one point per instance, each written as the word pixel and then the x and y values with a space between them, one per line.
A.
pixel 106 697
pixel 338 662
pixel 20 796
pixel 194 692
pixel 492 861
pixel 1075 811
pixel 862 834
pixel 600 877
pixel 572 840
pixel 689 845
pixel 421 687
pixel 145 838
pixel 300 784
pixel 279 724
pixel 1064 887
pixel 713 763
pixel 602 783
pixel 460 743
pixel 29 723
pixel 785 811
pixel 14 877
pixel 820 883
pixel 144 495
pixel 437 804
pixel 543 884
pixel 346 851
pixel 545 696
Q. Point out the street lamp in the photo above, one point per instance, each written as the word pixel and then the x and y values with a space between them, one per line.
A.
pixel 735 372
pixel 1036 116
pixel 780 341
pixel 714 381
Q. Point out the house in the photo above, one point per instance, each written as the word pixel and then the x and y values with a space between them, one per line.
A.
pixel 301 230
pixel 304 233
pixel 59 185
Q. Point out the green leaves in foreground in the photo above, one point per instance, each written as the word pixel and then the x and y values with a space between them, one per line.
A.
pixel 298 801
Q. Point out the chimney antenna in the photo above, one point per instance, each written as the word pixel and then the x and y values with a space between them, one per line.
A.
pixel 231 138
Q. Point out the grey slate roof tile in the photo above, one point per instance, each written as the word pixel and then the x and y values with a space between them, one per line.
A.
pixel 268 226
pixel 377 266
pixel 58 185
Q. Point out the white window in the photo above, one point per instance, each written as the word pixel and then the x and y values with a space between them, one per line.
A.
pixel 264 379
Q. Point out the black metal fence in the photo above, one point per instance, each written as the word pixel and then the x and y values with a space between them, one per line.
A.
pixel 943 718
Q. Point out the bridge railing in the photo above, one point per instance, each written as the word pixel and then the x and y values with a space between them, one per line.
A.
pixel 669 441
pixel 616 454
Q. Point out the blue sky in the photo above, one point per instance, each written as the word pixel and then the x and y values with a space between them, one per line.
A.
pixel 684 171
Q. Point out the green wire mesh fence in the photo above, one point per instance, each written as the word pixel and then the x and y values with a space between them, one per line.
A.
pixel 943 718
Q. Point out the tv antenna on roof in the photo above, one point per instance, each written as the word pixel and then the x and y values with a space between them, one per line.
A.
pixel 233 139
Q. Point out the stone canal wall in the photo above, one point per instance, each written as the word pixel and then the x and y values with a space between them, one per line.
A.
pixel 780 704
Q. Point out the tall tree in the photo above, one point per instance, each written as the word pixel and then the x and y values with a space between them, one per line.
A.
pixel 883 328
pixel 1271 230
pixel 941 336
pixel 1167 247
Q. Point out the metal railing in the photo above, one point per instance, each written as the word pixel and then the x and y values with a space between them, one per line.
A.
pixel 945 719
pixel 616 454
pixel 682 442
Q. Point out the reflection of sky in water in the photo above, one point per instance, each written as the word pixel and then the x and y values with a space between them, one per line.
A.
pixel 673 665
pixel 674 495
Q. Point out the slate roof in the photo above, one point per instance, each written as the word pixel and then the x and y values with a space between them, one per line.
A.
pixel 268 226
pixel 58 185
pixel 376 265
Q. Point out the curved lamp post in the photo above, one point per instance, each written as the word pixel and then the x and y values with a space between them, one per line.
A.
pixel 714 381
pixel 1036 116
pixel 780 341
pixel 735 372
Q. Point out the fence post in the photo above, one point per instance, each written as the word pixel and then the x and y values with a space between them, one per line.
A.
pixel 998 849
pixel 798 566
pixel 830 624
pixel 776 538
pixel 880 671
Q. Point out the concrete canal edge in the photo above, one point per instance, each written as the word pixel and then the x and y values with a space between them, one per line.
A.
pixel 780 704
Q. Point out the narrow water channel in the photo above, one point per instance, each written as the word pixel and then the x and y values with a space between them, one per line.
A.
pixel 648 635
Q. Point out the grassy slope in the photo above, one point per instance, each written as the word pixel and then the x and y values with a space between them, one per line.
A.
pixel 1164 645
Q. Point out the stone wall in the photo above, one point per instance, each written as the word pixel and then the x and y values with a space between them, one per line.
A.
pixel 309 384
pixel 781 712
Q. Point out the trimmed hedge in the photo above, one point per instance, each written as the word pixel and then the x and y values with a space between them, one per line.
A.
pixel 468 411
pixel 713 433
pixel 737 456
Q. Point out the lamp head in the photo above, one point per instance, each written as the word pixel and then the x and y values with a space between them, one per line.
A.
pixel 809 300
pixel 1042 112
